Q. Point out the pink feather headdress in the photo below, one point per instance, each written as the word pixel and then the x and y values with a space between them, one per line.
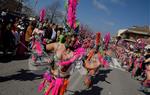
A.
pixel 71 13
pixel 42 14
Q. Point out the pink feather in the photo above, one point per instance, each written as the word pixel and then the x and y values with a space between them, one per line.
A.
pixel 68 62
pixel 38 48
pixel 102 60
pixel 57 86
pixel 42 14
pixel 78 53
pixel 47 77
pixel 50 87
pixel 71 15
pixel 41 86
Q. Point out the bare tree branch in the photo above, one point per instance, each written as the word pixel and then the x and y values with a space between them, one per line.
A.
pixel 17 6
pixel 53 12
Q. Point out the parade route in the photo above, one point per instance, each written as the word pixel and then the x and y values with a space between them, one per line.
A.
pixel 16 79
pixel 74 47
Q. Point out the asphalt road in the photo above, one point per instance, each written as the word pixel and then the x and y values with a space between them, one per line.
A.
pixel 16 79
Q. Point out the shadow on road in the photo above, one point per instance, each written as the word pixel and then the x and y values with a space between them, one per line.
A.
pixel 95 90
pixel 101 76
pixel 9 57
pixel 23 75
pixel 146 93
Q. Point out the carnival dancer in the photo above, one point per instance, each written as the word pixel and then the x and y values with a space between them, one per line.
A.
pixel 29 31
pixel 37 45
pixel 93 62
pixel 56 79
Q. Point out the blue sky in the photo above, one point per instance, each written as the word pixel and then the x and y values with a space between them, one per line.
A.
pixel 109 15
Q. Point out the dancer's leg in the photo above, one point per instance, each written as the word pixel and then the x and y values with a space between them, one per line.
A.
pixel 64 87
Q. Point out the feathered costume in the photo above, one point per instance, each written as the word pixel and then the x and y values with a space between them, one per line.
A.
pixel 37 46
pixel 42 14
pixel 71 7
pixel 92 54
pixel 56 84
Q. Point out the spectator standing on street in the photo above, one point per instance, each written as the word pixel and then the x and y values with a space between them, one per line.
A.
pixel 8 38
pixel 48 32
pixel 54 34
pixel 29 31
pixel 15 33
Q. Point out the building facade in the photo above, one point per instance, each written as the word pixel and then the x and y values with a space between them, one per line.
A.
pixel 135 33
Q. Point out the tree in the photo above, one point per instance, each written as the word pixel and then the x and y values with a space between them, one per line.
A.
pixel 85 31
pixel 21 6
pixel 10 5
pixel 27 8
pixel 28 11
pixel 54 13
